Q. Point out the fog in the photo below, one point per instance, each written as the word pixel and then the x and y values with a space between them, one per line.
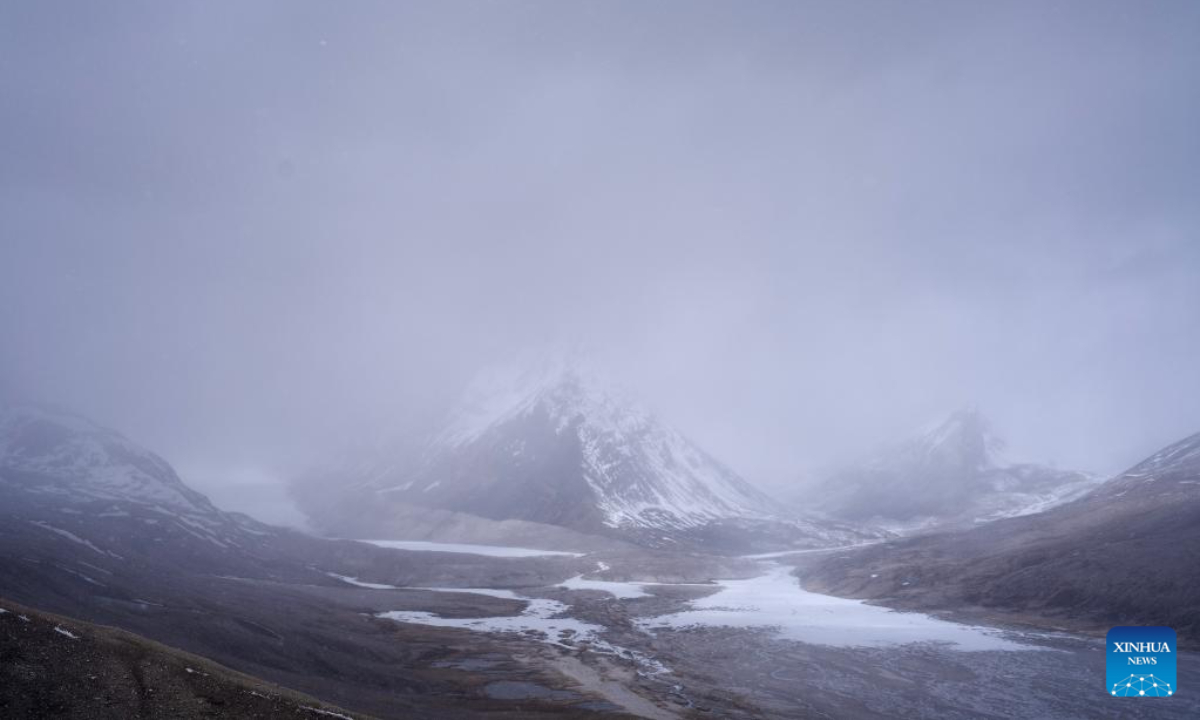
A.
pixel 239 231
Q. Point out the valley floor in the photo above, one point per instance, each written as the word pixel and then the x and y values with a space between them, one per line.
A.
pixel 629 634
pixel 763 647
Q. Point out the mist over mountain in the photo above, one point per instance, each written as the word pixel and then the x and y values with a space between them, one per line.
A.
pixel 549 438
pixel 72 487
pixel 492 360
pixel 797 227
pixel 954 471
pixel 1123 550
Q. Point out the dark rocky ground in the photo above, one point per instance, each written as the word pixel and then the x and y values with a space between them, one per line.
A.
pixel 55 667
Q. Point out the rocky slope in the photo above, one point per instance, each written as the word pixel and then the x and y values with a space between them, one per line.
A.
pixel 56 667
pixel 1124 554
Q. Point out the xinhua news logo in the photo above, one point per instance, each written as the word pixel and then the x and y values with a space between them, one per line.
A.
pixel 1141 662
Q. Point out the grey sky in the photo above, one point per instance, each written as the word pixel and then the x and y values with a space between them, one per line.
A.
pixel 798 228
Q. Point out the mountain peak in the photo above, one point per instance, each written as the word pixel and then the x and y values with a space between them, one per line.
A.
pixel 952 470
pixel 54 452
pixel 963 438
pixel 550 437
pixel 565 382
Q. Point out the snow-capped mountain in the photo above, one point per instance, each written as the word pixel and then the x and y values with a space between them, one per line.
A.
pixel 75 478
pixel 951 472
pixel 550 439
pixel 54 452
pixel 637 470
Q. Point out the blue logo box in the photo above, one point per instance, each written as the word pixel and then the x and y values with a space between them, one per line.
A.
pixel 1141 662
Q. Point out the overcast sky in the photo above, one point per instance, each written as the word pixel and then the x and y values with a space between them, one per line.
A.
pixel 230 229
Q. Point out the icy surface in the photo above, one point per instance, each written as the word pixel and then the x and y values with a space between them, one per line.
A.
pixel 490 592
pixel 541 617
pixel 776 601
pixel 489 550
pixel 620 590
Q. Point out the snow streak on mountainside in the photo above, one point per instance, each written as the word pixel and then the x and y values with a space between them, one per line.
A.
pixel 952 472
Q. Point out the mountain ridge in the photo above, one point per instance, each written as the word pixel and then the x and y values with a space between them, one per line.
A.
pixel 954 472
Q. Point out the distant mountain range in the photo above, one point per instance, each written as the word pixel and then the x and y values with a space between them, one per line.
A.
pixel 550 440
pixel 952 473
pixel 1125 553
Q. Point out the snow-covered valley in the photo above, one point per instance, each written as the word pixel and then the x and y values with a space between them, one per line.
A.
pixel 773 601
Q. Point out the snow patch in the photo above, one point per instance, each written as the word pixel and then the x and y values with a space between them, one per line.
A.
pixel 776 601
pixel 541 617
pixel 70 536
pixel 619 590
pixel 63 631
pixel 502 594
pixel 357 583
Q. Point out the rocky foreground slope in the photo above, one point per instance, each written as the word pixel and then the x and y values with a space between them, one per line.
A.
pixel 57 667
